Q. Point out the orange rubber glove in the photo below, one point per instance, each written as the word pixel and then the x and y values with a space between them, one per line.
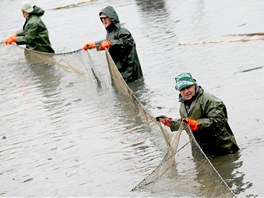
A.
pixel 104 44
pixel 11 39
pixel 193 124
pixel 164 120
pixel 90 45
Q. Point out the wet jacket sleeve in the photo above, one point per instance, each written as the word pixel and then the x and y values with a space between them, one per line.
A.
pixel 20 33
pixel 122 41
pixel 30 34
pixel 215 114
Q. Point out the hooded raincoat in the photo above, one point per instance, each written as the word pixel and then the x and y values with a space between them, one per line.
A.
pixel 123 47
pixel 214 134
pixel 35 34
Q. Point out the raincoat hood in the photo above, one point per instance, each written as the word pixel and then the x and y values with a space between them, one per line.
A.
pixel 123 47
pixel 37 11
pixel 111 13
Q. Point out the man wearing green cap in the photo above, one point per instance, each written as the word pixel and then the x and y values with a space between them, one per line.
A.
pixel 206 116
pixel 34 34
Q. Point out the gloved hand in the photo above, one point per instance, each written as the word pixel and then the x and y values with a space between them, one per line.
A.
pixel 89 45
pixel 104 44
pixel 193 124
pixel 177 123
pixel 161 117
pixel 11 39
pixel 164 120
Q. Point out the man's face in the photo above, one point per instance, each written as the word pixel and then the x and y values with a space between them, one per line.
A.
pixel 188 92
pixel 106 21
pixel 25 14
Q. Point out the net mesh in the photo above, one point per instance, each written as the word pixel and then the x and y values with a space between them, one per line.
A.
pixel 211 183
pixel 184 168
pixel 78 62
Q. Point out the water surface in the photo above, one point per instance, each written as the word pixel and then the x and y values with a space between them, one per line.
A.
pixel 59 130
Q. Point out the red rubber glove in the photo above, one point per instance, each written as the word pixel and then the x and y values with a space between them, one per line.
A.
pixel 164 120
pixel 193 124
pixel 104 44
pixel 90 45
pixel 11 39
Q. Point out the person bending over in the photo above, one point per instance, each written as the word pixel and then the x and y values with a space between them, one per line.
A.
pixel 206 116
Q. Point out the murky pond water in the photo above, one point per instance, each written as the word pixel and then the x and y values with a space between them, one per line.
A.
pixel 60 136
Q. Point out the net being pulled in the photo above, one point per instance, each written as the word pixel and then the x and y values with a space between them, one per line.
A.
pixel 78 62
pixel 184 169
pixel 203 181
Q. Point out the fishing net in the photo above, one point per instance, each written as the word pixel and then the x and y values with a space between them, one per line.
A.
pixel 184 169
pixel 78 62
pixel 206 180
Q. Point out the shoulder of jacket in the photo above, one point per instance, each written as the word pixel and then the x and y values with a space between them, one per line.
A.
pixel 34 21
pixel 208 98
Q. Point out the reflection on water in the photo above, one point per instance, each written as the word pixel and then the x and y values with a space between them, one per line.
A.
pixel 229 170
pixel 47 80
pixel 152 7
pixel 155 16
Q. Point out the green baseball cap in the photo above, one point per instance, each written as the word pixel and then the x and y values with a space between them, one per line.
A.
pixel 184 80
pixel 27 6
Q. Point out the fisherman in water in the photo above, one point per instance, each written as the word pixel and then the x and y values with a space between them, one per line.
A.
pixel 206 116
pixel 121 45
pixel 34 34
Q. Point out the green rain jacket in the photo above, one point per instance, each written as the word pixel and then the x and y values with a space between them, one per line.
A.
pixel 35 34
pixel 123 47
pixel 214 135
